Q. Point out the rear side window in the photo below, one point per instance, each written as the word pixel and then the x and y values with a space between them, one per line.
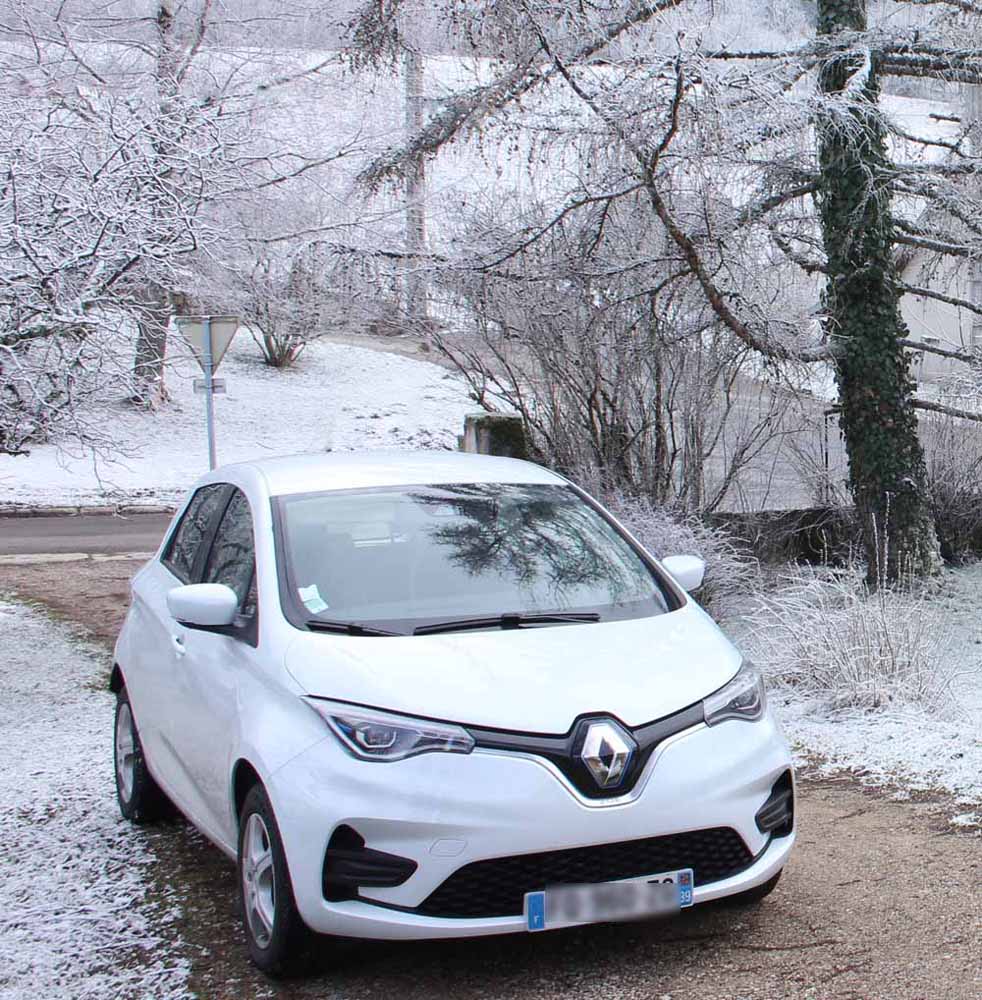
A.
pixel 232 559
pixel 193 529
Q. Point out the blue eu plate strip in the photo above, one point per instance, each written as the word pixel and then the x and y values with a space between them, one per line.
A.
pixel 685 888
pixel 535 911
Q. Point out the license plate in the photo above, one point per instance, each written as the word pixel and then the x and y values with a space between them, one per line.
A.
pixel 569 905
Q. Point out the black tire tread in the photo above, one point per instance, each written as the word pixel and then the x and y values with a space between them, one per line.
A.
pixel 288 953
pixel 148 803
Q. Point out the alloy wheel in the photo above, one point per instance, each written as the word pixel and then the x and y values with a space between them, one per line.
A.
pixel 125 751
pixel 258 881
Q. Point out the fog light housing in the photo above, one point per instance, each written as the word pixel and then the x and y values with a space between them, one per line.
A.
pixel 349 864
pixel 776 815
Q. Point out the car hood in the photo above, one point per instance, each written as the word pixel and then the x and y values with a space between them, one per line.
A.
pixel 530 680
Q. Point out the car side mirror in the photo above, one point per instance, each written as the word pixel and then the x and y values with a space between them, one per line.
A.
pixel 687 571
pixel 203 605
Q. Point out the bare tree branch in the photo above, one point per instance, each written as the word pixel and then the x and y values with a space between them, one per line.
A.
pixel 948 411
pixel 931 293
pixel 470 109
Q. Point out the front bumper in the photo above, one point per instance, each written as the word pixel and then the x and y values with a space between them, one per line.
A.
pixel 445 811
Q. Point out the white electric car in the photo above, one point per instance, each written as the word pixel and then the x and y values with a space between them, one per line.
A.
pixel 438 695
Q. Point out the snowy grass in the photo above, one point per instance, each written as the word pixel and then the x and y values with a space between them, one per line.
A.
pixel 904 748
pixel 832 639
pixel 75 917
pixel 338 398
pixel 887 687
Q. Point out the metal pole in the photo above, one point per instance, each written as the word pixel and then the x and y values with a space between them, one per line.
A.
pixel 417 292
pixel 209 394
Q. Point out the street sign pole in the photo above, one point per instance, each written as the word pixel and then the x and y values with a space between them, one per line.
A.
pixel 209 337
pixel 209 393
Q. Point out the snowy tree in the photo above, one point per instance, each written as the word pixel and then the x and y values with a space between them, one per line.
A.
pixel 128 139
pixel 770 164
pixel 92 222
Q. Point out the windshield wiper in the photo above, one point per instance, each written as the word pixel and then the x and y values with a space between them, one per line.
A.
pixel 349 628
pixel 514 620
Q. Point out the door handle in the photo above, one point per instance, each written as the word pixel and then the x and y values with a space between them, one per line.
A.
pixel 177 644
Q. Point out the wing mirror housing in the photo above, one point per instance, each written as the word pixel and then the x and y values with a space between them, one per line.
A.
pixel 687 571
pixel 203 605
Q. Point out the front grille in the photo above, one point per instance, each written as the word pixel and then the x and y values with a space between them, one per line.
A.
pixel 497 887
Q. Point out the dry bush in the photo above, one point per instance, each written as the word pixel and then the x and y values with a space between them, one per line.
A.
pixel 642 392
pixel 850 648
pixel 732 572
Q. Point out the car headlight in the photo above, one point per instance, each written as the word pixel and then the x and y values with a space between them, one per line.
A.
pixel 369 734
pixel 742 698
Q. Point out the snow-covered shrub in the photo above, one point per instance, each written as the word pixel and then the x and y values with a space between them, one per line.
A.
pixel 732 572
pixel 830 637
pixel 613 387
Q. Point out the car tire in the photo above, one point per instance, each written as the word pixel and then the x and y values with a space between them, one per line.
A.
pixel 139 796
pixel 278 938
pixel 749 897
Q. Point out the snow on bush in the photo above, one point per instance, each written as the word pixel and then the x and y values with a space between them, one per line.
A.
pixel 731 569
pixel 831 638
pixel 76 917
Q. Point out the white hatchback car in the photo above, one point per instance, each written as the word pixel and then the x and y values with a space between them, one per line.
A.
pixel 438 695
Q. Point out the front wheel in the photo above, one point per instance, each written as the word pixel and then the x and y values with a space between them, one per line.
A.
pixel 139 796
pixel 275 932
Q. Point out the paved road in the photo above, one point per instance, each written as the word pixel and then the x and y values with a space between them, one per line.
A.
pixel 89 534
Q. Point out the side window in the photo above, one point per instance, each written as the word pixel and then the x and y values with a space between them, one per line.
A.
pixel 184 544
pixel 232 559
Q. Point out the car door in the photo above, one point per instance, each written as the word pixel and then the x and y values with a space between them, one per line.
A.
pixel 208 669
pixel 149 668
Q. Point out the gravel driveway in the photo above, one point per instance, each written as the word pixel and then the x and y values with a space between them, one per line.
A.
pixel 880 902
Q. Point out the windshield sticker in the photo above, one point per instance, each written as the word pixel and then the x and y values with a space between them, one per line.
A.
pixel 312 599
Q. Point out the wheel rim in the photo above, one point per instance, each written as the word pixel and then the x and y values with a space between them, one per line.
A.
pixel 125 752
pixel 258 880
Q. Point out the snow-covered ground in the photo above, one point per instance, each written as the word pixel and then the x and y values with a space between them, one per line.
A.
pixel 75 917
pixel 337 398
pixel 908 748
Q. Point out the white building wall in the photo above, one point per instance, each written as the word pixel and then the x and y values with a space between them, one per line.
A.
pixel 941 323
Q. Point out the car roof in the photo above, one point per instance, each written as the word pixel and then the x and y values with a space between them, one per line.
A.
pixel 368 469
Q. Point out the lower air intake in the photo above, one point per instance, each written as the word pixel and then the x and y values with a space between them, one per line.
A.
pixel 497 887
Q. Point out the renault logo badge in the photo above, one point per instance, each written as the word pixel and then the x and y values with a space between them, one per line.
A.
pixel 607 751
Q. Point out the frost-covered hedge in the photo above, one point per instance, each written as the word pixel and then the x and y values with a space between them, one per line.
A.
pixel 828 636
pixel 732 572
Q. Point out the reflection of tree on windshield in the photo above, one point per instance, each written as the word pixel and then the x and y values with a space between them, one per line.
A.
pixel 555 542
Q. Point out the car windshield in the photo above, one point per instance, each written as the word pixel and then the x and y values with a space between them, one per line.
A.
pixel 412 557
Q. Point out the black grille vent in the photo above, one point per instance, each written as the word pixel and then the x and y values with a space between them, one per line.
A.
pixel 497 887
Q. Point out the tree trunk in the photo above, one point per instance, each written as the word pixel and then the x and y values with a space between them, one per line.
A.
pixel 153 317
pixel 886 462
pixel 151 348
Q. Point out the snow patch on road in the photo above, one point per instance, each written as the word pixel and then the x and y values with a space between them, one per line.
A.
pixel 75 918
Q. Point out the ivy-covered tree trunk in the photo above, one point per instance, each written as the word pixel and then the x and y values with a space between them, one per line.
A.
pixel 886 461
